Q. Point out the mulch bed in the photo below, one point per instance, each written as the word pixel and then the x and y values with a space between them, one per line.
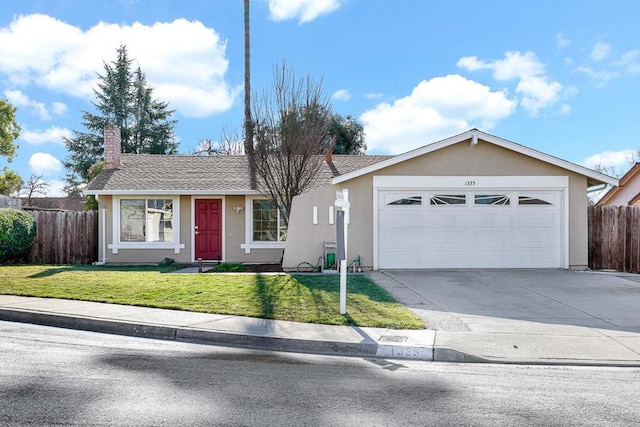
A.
pixel 264 268
pixel 258 268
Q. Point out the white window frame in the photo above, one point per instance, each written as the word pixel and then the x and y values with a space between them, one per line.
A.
pixel 117 244
pixel 248 237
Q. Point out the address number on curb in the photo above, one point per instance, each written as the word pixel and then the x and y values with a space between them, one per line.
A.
pixel 405 352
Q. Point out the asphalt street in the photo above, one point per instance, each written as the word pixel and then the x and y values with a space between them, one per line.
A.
pixel 53 376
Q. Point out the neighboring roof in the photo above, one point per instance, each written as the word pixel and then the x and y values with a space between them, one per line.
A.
pixel 593 177
pixel 55 203
pixel 182 174
pixel 631 173
pixel 9 202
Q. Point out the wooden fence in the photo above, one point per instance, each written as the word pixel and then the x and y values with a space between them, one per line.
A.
pixel 614 238
pixel 65 238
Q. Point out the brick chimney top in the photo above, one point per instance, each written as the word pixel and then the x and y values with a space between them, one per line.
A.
pixel 329 157
pixel 112 147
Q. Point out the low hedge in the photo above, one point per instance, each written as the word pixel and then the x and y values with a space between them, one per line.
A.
pixel 17 233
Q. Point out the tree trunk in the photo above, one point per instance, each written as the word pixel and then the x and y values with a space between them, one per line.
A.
pixel 248 122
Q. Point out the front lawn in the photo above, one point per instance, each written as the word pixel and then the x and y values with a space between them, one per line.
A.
pixel 301 297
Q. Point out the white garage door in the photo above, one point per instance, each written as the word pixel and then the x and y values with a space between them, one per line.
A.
pixel 470 229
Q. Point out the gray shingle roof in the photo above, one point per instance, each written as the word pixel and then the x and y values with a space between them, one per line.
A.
pixel 216 174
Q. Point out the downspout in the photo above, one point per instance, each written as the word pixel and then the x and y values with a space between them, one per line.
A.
pixel 104 234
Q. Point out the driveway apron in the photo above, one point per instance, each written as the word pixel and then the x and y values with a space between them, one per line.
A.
pixel 533 304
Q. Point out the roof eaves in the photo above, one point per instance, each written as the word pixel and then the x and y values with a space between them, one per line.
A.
pixel 607 196
pixel 634 200
pixel 595 176
pixel 403 157
pixel 633 171
pixel 170 192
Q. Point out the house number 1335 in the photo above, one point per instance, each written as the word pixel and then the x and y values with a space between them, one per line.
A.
pixel 469 183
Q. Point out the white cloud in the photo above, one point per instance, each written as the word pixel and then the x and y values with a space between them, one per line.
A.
pixel 565 109
pixel 303 10
pixel 601 77
pixel 58 108
pixel 611 159
pixel 562 41
pixel 630 61
pixel 20 99
pixel 341 95
pixel 535 87
pixel 54 135
pixel 516 65
pixel 44 163
pixel 55 188
pixel 600 51
pixel 435 109
pixel 374 95
pixel 538 93
pixel 41 50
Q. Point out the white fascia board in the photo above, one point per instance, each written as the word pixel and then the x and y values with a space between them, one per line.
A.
pixel 605 179
pixel 485 137
pixel 169 193
pixel 470 182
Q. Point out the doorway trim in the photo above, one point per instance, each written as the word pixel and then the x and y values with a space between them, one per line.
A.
pixel 192 226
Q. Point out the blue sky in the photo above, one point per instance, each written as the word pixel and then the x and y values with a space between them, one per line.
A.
pixel 559 77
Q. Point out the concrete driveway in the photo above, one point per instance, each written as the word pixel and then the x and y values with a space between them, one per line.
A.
pixel 477 299
pixel 547 314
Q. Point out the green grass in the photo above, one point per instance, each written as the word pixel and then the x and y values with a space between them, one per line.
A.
pixel 302 298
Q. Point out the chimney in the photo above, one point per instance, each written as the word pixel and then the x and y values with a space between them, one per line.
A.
pixel 329 157
pixel 112 147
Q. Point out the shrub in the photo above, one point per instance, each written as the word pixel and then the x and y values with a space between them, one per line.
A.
pixel 17 232
pixel 230 268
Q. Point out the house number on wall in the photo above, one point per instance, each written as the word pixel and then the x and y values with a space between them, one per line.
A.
pixel 469 183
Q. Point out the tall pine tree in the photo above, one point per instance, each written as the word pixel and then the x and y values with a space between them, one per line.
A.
pixel 124 98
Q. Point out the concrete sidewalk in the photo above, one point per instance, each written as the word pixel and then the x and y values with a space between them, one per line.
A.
pixel 570 345
pixel 219 329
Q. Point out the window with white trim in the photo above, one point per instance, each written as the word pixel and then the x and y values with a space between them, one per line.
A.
pixel 529 200
pixel 448 199
pixel 407 201
pixel 267 222
pixel 146 220
pixel 492 199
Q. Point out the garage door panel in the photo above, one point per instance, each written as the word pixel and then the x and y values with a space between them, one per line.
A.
pixel 472 235
pixel 450 258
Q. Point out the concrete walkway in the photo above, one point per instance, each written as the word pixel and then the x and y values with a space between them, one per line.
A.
pixel 219 329
pixel 470 335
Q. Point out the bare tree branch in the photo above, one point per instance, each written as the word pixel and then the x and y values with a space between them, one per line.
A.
pixel 35 185
pixel 228 145
pixel 291 137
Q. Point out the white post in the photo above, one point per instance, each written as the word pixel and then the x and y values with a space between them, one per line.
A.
pixel 104 235
pixel 342 201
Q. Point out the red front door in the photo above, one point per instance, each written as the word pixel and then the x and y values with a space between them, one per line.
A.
pixel 208 229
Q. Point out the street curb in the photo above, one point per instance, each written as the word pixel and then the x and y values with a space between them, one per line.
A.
pixel 445 354
pixel 449 355
pixel 172 333
pixel 333 348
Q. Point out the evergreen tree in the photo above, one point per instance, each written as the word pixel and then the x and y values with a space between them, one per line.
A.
pixel 123 98
pixel 10 182
pixel 348 135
